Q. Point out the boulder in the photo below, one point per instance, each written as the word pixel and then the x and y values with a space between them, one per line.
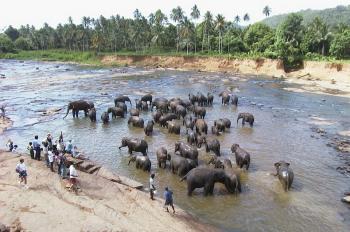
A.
pixel 71 160
pixel 85 166
pixel 105 173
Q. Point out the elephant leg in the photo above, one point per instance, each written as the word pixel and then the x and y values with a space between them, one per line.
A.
pixel 73 112
pixel 129 150
pixel 77 113
pixel 86 113
pixel 247 166
pixel 189 189
pixel 208 189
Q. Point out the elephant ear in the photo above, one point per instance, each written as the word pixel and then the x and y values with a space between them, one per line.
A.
pixel 277 164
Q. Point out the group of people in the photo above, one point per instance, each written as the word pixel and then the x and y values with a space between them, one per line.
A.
pixel 168 194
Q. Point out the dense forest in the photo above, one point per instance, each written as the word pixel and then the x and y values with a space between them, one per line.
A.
pixel 332 16
pixel 193 33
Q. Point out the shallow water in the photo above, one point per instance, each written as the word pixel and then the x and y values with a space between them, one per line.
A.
pixel 281 131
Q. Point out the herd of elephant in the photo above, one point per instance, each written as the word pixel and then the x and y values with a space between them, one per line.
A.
pixel 184 160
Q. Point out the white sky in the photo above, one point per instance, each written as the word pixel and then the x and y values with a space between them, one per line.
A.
pixel 36 12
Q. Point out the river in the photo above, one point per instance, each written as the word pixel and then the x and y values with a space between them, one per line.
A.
pixel 282 131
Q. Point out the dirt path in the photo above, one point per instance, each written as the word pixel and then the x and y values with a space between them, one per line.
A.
pixel 102 205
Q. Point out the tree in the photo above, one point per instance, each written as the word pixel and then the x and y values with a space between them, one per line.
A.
pixel 195 14
pixel 208 25
pixel 12 33
pixel 187 32
pixel 237 19
pixel 23 43
pixel 258 37
pixel 340 46
pixel 177 15
pixel 289 35
pixel 6 45
pixel 267 11
pixel 219 26
pixel 246 17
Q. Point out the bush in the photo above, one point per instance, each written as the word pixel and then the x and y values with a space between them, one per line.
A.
pixel 6 45
pixel 340 46
pixel 23 44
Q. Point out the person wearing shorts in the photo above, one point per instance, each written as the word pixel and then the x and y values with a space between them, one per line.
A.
pixel 168 195
pixel 21 169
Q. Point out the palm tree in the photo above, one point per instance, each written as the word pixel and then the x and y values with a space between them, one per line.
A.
pixel 246 17
pixel 208 23
pixel 177 15
pixel 186 32
pixel 219 25
pixel 267 11
pixel 195 14
pixel 237 19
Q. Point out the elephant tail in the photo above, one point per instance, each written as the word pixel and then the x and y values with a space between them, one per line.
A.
pixel 184 177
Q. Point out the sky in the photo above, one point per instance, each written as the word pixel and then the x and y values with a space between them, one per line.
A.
pixel 36 12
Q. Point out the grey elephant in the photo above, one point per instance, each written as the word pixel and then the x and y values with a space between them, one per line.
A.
pixel 173 103
pixel 202 100
pixel 186 151
pixel 193 98
pixel 188 123
pixel 105 117
pixel 156 116
pixel 173 127
pixel 191 137
pixel 215 131
pixel 141 162
pixel 220 125
pixel 225 97
pixel 76 106
pixel 199 111
pixel 165 118
pixel 242 156
pixel 122 98
pixel 136 121
pixel 138 104
pixel 122 105
pixel 212 145
pixel 92 114
pixel 285 174
pixel 200 140
pixel 147 98
pixel 227 122
pixel 180 111
pixel 234 100
pixel 207 177
pixel 161 104
pixel 220 162
pixel 246 117
pixel 201 126
pixel 149 128
pixel 144 106
pixel 134 112
pixel 116 111
pixel 134 144
pixel 180 165
pixel 162 157
pixel 210 98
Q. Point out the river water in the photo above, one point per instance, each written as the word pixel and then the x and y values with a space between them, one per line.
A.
pixel 281 132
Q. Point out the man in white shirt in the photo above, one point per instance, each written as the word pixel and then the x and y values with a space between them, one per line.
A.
pixel 73 174
pixel 21 169
pixel 152 189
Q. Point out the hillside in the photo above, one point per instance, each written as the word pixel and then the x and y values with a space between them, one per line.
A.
pixel 333 16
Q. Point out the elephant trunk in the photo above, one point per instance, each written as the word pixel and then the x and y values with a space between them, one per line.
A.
pixel 239 117
pixel 66 113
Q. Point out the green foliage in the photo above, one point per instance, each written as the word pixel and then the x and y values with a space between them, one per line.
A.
pixel 6 45
pixel 340 46
pixel 12 33
pixel 259 37
pixel 22 43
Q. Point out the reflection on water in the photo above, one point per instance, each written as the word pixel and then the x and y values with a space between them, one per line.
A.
pixel 281 131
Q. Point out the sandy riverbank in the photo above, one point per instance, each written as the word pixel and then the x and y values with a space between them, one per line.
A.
pixel 102 205
pixel 316 77
pixel 5 123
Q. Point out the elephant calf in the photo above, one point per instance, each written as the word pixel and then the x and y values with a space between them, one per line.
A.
pixel 220 162
pixel 180 165
pixel 105 117
pixel 173 127
pixel 92 114
pixel 188 123
pixel 136 121
pixel 213 145
pixel 134 112
pixel 285 174
pixel 142 162
pixel 246 117
pixel 149 128
pixel 201 126
pixel 242 156
pixel 162 157
pixel 207 177
pixel 116 111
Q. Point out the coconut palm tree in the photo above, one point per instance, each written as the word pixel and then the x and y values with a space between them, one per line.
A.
pixel 267 11
pixel 219 25
pixel 208 24
pixel 186 32
pixel 195 14
pixel 237 19
pixel 246 17
pixel 177 15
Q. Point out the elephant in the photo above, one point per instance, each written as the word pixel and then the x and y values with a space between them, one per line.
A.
pixel 105 117
pixel 144 106
pixel 156 116
pixel 165 118
pixel 227 122
pixel 134 144
pixel 116 111
pixel 220 162
pixel 76 106
pixel 188 123
pixel 122 105
pixel 149 128
pixel 207 177
pixel 122 98
pixel 213 145
pixel 199 111
pixel 180 165
pixel 220 125
pixel 134 112
pixel 246 117
pixel 225 97
pixel 161 104
pixel 187 151
pixel 234 100
pixel 136 121
pixel 147 98
pixel 242 156
pixel 285 174
pixel 191 137
pixel 173 104
pixel 202 100
pixel 162 157
pixel 92 114
pixel 210 98
pixel 173 127
pixel 186 103
pixel 215 131
pixel 138 104
pixel 201 126
pixel 141 162
pixel 200 139
pixel 180 111
pixel 193 99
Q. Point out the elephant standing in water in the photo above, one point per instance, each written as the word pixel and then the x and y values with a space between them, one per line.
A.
pixel 225 97
pixel 122 98
pixel 242 156
pixel 147 98
pixel 180 165
pixel 76 106
pixel 142 162
pixel 105 117
pixel 285 174
pixel 246 117
pixel 134 144
pixel 162 156
pixel 92 114
pixel 207 177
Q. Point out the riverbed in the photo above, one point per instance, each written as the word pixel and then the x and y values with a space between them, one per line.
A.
pixel 282 131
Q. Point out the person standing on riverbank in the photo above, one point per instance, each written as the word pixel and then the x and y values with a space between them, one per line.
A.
pixel 31 150
pixel 50 156
pixel 21 169
pixel 36 146
pixel 46 152
pixel 168 196
pixel 152 189
pixel 9 145
pixel 69 147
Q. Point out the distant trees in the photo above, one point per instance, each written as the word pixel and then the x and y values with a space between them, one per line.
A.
pixel 267 11
pixel 340 46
